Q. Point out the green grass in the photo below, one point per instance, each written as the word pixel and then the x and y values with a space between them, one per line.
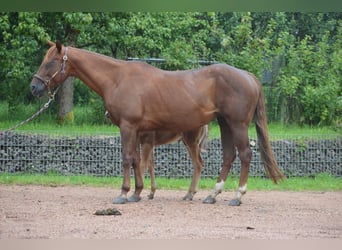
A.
pixel 70 129
pixel 276 131
pixel 46 123
pixel 321 182
pixel 280 131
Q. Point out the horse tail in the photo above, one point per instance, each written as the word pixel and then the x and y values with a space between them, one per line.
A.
pixel 270 164
pixel 204 138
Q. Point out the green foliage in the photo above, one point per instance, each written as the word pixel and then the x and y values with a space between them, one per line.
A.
pixel 240 47
pixel 310 83
pixel 301 50
pixel 18 45
pixel 320 104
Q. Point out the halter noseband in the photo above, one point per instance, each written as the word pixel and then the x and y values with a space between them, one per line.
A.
pixel 62 70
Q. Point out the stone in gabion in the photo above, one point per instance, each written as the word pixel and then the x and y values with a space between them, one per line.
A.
pixel 101 156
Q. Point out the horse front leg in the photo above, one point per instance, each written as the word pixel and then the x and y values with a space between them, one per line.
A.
pixel 138 177
pixel 130 157
pixel 191 140
pixel 152 175
pixel 135 197
pixel 198 165
pixel 148 161
pixel 126 185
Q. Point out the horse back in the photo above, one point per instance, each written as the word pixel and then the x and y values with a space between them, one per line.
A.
pixel 180 100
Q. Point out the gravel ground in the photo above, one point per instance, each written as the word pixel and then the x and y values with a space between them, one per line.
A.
pixel 37 212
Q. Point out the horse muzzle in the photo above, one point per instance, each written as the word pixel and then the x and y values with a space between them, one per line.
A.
pixel 37 88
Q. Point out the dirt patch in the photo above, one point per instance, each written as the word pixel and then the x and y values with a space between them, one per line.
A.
pixel 36 212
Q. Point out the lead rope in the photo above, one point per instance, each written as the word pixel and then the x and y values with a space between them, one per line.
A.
pixel 41 110
pixel 51 96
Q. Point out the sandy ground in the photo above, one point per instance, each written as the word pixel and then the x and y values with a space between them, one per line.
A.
pixel 36 212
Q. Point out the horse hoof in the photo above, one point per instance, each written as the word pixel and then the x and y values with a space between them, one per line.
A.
pixel 188 197
pixel 120 200
pixel 209 200
pixel 150 196
pixel 134 198
pixel 235 202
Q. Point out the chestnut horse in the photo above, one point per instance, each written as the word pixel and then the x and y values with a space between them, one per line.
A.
pixel 195 142
pixel 140 97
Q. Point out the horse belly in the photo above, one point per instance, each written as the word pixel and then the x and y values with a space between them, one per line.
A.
pixel 179 118
pixel 178 121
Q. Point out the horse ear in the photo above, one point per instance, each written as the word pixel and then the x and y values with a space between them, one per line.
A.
pixel 51 43
pixel 59 46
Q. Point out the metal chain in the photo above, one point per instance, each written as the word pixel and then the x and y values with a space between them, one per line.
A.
pixel 41 110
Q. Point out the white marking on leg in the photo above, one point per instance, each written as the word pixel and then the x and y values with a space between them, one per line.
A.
pixel 219 187
pixel 241 191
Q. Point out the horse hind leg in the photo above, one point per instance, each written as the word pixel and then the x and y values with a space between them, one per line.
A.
pixel 228 158
pixel 245 155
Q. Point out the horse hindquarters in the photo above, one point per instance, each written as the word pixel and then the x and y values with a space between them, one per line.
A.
pixel 238 133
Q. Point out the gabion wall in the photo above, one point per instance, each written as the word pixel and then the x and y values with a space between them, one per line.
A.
pixel 100 155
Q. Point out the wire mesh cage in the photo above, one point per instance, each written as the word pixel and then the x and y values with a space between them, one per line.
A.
pixel 100 155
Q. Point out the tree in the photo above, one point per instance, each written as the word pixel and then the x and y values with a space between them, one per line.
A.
pixel 300 53
pixel 19 50
pixel 74 25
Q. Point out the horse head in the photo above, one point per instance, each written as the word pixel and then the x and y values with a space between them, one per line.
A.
pixel 53 70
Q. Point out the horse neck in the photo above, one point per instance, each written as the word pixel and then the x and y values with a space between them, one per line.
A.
pixel 95 70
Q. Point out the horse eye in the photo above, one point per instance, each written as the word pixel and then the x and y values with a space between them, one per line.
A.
pixel 51 64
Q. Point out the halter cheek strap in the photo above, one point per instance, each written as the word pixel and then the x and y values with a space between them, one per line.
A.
pixel 65 58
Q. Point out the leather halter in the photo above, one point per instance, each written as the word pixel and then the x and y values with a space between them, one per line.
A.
pixel 62 71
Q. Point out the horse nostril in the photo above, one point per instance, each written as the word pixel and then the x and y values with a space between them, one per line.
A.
pixel 33 87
